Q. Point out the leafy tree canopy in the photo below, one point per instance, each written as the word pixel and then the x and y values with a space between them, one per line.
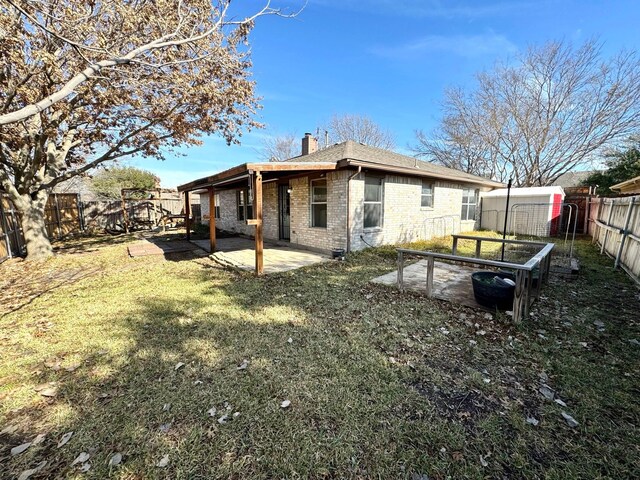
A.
pixel 621 165
pixel 108 183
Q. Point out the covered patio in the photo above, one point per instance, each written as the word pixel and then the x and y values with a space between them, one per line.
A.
pixel 241 252
pixel 238 252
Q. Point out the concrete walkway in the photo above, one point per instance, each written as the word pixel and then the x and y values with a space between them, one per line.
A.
pixel 238 252
pixel 450 282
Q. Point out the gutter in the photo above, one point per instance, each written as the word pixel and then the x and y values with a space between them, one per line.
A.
pixel 349 207
pixel 416 172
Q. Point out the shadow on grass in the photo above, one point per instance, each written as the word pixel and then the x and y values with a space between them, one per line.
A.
pixel 354 412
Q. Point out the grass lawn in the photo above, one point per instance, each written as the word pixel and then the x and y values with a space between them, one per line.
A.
pixel 380 384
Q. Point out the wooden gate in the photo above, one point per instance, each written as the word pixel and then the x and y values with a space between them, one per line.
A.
pixel 62 217
pixel 11 239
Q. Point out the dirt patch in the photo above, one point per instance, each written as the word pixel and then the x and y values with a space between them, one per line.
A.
pixel 469 406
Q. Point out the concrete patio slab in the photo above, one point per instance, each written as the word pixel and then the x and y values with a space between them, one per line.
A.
pixel 147 247
pixel 238 252
pixel 450 282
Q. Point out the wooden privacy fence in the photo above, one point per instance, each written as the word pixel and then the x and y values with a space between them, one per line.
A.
pixel 100 215
pixel 11 240
pixel 62 217
pixel 614 224
pixel 66 214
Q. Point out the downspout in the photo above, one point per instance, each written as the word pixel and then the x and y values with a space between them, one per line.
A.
pixel 349 207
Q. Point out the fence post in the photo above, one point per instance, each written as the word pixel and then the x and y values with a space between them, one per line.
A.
pixel 80 211
pixel 625 232
pixel 430 265
pixel 454 248
pixel 518 296
pixel 596 227
pixel 527 300
pixel 5 230
pixel 479 248
pixel 400 271
pixel 606 230
pixel 55 197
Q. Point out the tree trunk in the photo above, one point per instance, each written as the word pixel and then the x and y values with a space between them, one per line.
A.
pixel 31 213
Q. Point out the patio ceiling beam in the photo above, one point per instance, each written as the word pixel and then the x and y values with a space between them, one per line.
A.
pixel 249 168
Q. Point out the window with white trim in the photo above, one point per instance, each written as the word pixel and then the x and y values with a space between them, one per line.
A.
pixel 216 203
pixel 426 196
pixel 245 209
pixel 318 199
pixel 469 202
pixel 373 188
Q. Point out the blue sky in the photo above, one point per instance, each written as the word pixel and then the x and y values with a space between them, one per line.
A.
pixel 390 60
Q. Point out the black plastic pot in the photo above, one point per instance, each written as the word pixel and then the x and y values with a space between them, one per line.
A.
pixel 490 292
pixel 337 252
pixel 509 273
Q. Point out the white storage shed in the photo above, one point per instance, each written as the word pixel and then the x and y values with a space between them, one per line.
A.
pixel 535 211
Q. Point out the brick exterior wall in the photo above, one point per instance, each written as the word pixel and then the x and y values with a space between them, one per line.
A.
pixel 404 220
pixel 229 212
pixel 335 235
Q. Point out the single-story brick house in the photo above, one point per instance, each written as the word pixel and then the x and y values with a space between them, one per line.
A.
pixel 345 196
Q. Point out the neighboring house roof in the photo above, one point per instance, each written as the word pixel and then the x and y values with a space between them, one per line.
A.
pixel 342 155
pixel 572 179
pixel 526 192
pixel 79 185
pixel 628 186
pixel 358 154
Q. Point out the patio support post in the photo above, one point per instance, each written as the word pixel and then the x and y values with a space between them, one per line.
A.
pixel 212 220
pixel 258 213
pixel 187 215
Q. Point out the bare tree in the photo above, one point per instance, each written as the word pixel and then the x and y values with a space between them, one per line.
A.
pixel 555 109
pixel 83 83
pixel 360 129
pixel 279 148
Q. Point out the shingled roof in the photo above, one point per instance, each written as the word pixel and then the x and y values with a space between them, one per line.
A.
pixel 380 159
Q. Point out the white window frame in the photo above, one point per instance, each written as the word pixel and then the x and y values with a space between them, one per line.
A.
pixel 428 196
pixel 242 202
pixel 216 205
pixel 312 219
pixel 464 210
pixel 371 202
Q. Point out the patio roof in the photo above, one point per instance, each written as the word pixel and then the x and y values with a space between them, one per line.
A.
pixel 270 169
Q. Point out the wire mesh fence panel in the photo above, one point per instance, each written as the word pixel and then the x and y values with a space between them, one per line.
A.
pixel 554 222
pixel 541 222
